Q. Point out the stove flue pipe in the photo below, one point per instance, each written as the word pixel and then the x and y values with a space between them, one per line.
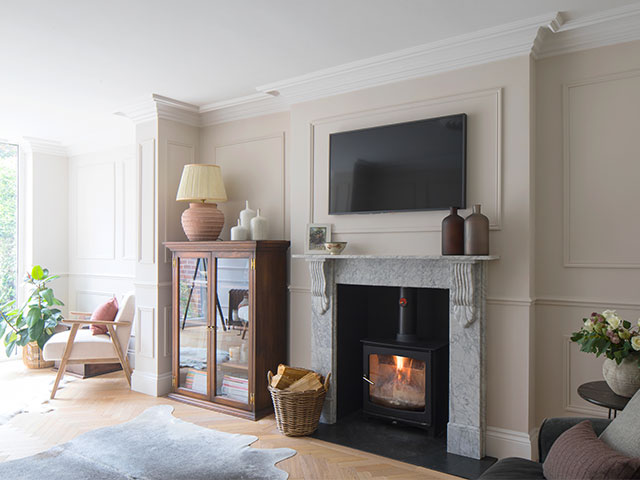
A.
pixel 407 315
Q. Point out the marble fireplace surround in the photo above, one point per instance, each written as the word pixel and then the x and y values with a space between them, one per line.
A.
pixel 464 276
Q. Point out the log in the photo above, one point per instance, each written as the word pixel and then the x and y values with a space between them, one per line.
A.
pixel 311 381
pixel 287 375
pixel 293 372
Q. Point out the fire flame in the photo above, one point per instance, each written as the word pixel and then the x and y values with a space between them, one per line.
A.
pixel 403 374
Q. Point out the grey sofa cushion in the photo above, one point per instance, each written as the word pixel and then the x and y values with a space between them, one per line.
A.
pixel 514 468
pixel 623 434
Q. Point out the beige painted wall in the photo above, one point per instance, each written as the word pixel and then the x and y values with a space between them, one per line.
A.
pixel 252 154
pixel 587 171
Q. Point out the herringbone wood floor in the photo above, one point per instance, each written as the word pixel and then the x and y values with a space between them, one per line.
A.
pixel 84 405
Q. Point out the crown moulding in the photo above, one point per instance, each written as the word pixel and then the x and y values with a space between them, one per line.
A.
pixel 540 36
pixel 44 146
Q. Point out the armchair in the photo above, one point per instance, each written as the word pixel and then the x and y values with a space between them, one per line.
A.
pixel 550 430
pixel 80 346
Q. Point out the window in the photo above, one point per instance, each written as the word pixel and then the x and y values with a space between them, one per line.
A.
pixel 8 221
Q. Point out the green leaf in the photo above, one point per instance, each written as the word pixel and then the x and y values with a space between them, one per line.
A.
pixel 626 324
pixel 36 330
pixel 37 273
pixel 44 339
pixel 34 315
pixel 47 294
pixel 9 348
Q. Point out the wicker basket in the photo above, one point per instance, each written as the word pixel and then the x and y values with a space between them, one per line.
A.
pixel 297 413
pixel 32 356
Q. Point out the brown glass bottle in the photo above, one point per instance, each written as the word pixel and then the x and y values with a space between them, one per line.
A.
pixel 453 233
pixel 476 233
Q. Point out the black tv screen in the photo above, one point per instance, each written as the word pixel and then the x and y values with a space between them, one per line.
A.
pixel 401 167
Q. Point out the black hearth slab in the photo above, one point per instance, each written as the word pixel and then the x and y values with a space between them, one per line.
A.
pixel 400 442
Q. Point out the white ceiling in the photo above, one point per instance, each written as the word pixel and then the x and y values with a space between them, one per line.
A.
pixel 69 64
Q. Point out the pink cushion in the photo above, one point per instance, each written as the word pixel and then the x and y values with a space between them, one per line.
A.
pixel 107 312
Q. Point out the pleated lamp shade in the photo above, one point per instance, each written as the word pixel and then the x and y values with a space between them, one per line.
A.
pixel 202 183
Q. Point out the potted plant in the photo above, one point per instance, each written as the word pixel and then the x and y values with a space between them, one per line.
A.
pixel 606 333
pixel 32 324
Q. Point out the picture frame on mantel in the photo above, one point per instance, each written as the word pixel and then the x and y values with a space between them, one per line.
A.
pixel 317 234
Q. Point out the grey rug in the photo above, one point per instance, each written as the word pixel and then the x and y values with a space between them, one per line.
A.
pixel 152 446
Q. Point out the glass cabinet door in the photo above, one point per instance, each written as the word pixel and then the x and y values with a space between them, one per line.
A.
pixel 193 326
pixel 233 333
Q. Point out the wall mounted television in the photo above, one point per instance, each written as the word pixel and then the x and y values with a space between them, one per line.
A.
pixel 412 166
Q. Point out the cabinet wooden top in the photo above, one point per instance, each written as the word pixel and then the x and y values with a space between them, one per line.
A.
pixel 228 246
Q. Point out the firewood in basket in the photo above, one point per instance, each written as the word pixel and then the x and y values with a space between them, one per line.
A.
pixel 293 372
pixel 311 381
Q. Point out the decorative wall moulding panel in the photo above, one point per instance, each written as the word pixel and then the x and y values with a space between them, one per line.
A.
pixel 573 378
pixel 166 329
pixel 267 193
pixel 484 161
pixel 88 300
pixel 146 201
pixel 129 195
pixel 145 332
pixel 95 211
pixel 598 227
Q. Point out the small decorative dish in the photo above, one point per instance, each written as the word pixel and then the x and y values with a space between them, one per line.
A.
pixel 335 248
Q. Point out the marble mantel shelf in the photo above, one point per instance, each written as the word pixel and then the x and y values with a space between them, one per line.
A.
pixel 464 277
pixel 450 258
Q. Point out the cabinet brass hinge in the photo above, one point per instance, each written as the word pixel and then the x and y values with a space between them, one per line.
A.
pixel 174 382
pixel 174 261
pixel 253 264
pixel 252 399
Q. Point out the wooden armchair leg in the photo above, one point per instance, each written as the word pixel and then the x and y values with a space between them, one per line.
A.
pixel 121 356
pixel 65 358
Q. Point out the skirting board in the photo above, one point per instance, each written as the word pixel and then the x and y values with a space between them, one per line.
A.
pixel 501 443
pixel 151 384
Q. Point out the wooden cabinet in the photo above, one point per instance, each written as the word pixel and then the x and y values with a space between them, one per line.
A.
pixel 229 323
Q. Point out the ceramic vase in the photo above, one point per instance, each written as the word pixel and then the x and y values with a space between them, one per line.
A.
pixel 476 233
pixel 259 227
pixel 453 233
pixel 239 232
pixel 246 215
pixel 623 379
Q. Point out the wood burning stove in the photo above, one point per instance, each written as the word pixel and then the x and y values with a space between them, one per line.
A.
pixel 406 379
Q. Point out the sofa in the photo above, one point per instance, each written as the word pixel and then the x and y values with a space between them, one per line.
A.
pixel 523 469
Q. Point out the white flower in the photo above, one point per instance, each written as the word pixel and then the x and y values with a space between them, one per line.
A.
pixel 588 325
pixel 635 342
pixel 613 320
pixel 609 313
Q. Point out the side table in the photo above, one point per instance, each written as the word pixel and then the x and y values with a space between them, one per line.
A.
pixel 600 394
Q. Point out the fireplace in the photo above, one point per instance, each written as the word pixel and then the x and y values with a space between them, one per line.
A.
pixel 405 378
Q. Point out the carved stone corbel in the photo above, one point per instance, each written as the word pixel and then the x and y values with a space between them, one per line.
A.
pixel 319 297
pixel 462 293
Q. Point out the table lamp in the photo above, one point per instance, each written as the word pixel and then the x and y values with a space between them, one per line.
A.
pixel 201 183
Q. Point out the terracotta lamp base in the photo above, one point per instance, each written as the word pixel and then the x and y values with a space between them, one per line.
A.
pixel 202 222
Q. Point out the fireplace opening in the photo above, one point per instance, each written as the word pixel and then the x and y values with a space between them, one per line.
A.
pixel 397 382
pixel 393 354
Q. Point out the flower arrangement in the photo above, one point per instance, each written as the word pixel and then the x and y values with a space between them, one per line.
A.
pixel 606 333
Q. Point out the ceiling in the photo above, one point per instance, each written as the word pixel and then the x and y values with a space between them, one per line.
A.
pixel 69 64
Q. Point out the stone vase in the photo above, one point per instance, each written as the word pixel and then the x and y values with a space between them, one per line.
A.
pixel 476 233
pixel 259 227
pixel 453 233
pixel 239 233
pixel 623 379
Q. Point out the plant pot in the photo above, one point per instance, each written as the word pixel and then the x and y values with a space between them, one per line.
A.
pixel 32 357
pixel 623 379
